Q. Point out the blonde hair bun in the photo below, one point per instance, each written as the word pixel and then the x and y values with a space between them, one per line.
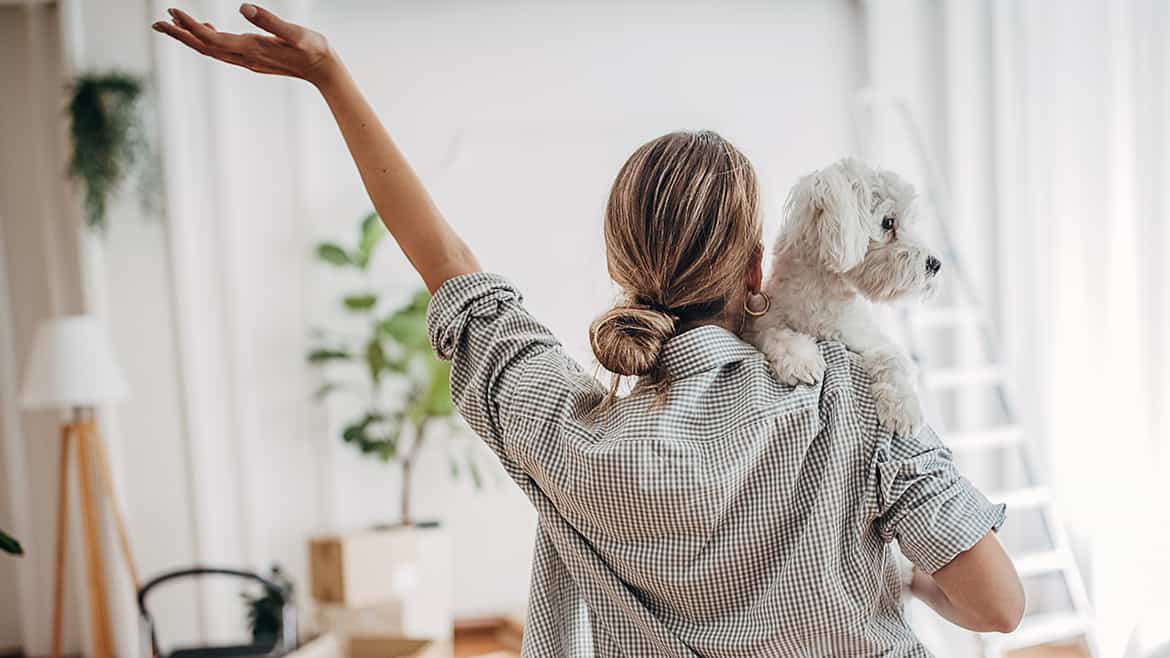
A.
pixel 628 338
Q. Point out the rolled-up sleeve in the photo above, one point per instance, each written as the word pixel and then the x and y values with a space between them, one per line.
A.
pixel 926 504
pixel 477 322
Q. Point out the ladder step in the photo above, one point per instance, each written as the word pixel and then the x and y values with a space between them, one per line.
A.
pixel 945 378
pixel 993 437
pixel 1026 497
pixel 1038 564
pixel 943 316
pixel 1042 629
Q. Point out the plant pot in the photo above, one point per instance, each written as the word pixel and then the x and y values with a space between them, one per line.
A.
pixel 392 581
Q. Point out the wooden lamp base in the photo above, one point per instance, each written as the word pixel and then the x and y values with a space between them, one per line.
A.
pixel 91 456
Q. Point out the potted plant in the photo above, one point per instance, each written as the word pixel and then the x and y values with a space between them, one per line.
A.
pixel 108 139
pixel 264 612
pixel 9 545
pixel 402 394
pixel 393 352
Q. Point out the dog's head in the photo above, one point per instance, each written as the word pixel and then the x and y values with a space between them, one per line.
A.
pixel 858 224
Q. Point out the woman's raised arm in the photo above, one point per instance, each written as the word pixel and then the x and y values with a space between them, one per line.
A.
pixel 429 242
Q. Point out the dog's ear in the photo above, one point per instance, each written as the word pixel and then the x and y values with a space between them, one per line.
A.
pixel 829 208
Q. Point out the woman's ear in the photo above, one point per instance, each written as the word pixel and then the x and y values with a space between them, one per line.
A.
pixel 828 205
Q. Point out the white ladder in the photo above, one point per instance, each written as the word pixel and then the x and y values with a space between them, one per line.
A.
pixel 964 313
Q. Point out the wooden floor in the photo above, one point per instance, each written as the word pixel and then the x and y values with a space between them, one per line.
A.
pixel 483 641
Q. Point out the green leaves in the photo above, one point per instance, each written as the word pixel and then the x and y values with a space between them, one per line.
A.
pixel 9 545
pixel 360 435
pixel 363 302
pixel 375 360
pixel 407 326
pixel 370 233
pixel 264 612
pixel 438 399
pixel 400 383
pixel 109 141
pixel 333 254
pixel 406 330
pixel 325 389
pixel 319 356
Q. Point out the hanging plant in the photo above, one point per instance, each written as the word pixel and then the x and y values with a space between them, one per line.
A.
pixel 108 137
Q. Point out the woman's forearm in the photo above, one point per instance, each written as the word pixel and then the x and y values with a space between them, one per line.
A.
pixel 978 590
pixel 926 590
pixel 407 210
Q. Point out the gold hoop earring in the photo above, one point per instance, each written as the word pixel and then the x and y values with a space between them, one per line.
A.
pixel 767 305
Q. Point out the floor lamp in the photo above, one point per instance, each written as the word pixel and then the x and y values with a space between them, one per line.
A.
pixel 72 367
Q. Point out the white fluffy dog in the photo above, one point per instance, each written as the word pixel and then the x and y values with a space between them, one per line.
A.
pixel 848 237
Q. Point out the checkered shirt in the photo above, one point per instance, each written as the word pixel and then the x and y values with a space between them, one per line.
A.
pixel 737 517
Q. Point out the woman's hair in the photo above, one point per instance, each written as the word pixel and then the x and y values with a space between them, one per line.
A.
pixel 681 228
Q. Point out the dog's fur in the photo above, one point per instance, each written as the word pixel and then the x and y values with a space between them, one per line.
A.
pixel 832 255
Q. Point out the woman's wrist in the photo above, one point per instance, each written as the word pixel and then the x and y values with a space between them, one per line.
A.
pixel 327 73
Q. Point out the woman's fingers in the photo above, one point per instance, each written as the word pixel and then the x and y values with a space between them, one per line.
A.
pixel 200 30
pixel 270 22
pixel 291 50
pixel 195 43
pixel 182 36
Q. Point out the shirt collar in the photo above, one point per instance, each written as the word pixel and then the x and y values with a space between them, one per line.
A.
pixel 703 348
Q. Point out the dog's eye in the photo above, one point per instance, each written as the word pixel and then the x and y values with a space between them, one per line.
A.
pixel 888 223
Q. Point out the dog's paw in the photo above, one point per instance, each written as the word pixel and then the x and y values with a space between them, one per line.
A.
pixel 795 357
pixel 899 412
pixel 800 369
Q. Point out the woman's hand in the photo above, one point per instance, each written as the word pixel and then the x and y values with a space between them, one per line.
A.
pixel 432 246
pixel 292 50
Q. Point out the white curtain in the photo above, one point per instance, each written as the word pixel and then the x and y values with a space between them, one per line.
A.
pixel 1089 205
pixel 1049 119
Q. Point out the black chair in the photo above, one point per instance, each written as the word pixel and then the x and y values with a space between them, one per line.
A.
pixel 282 644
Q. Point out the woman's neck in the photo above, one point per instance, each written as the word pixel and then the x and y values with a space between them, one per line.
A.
pixel 732 324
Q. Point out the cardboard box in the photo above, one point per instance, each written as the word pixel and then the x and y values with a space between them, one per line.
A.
pixel 383 581
pixel 379 619
pixel 361 568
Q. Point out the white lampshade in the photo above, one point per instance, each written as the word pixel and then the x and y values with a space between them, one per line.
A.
pixel 72 364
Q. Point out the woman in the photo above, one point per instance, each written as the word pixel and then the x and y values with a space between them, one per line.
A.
pixel 710 512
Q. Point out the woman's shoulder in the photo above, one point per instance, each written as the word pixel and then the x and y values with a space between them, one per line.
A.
pixel 843 375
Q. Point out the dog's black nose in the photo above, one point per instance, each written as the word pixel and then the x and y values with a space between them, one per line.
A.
pixel 933 265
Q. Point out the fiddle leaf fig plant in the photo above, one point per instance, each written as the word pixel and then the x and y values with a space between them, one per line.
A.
pixel 404 390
